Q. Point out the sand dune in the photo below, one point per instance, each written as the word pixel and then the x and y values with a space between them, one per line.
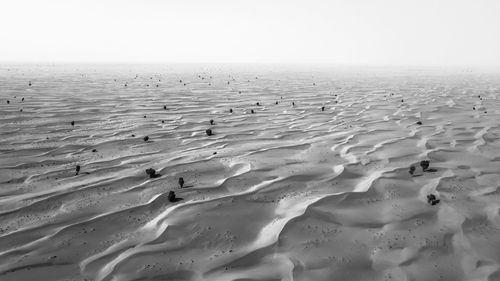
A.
pixel 289 192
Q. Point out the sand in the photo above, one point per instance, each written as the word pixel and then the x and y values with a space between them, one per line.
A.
pixel 290 192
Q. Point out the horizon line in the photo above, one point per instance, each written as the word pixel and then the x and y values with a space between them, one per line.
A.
pixel 312 63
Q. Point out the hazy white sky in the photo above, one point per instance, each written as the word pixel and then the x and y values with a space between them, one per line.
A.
pixel 443 32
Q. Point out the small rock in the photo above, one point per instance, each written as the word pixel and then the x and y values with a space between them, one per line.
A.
pixel 146 138
pixel 412 170
pixel 151 172
pixel 424 164
pixel 431 199
pixel 209 132
pixel 181 182
pixel 171 196
pixel 77 169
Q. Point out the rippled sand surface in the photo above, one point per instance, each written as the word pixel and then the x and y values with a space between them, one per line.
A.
pixel 287 193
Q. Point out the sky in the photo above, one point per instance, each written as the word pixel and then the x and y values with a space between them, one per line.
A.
pixel 379 32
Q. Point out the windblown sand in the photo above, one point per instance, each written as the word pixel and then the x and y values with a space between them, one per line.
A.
pixel 292 193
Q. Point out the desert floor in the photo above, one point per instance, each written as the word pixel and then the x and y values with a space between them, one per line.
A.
pixel 289 192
